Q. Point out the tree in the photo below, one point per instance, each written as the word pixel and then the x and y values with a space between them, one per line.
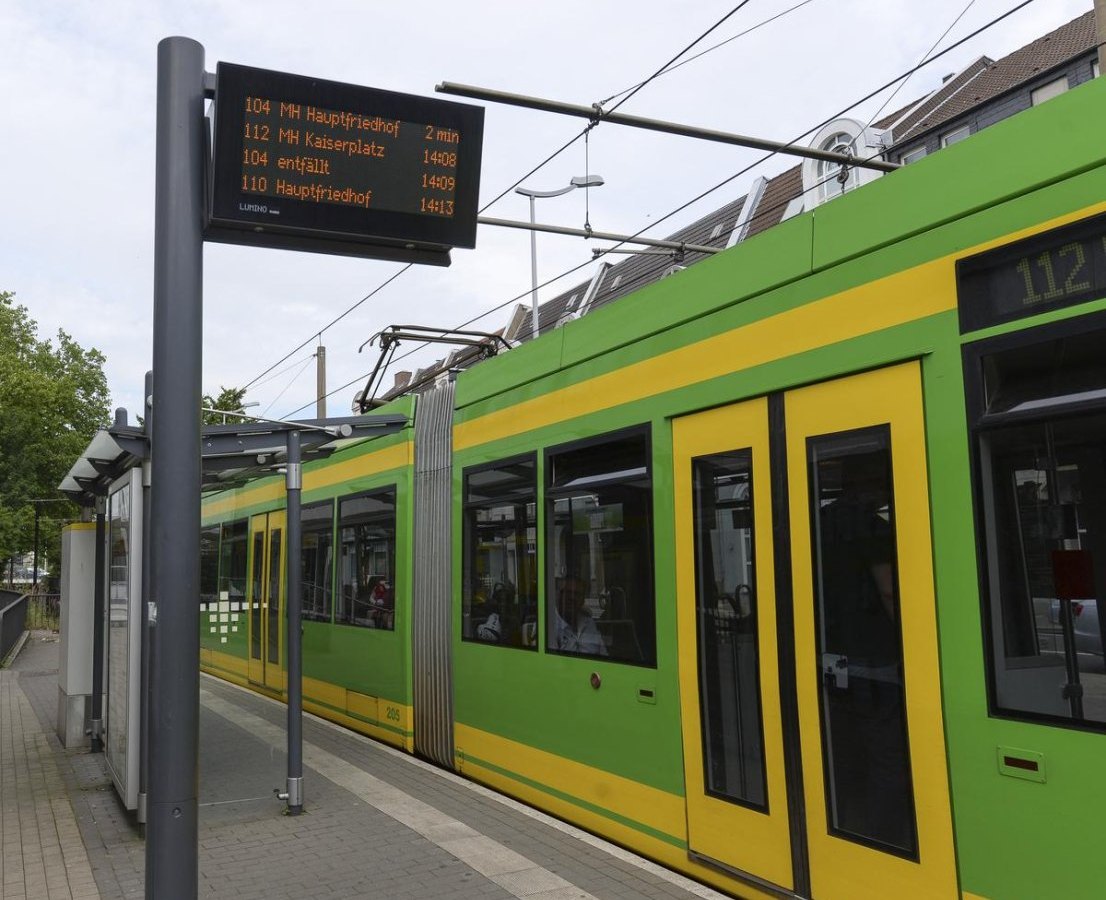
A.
pixel 229 401
pixel 53 398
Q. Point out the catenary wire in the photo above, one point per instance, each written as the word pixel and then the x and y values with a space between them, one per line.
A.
pixel 925 57
pixel 769 210
pixel 275 375
pixel 663 70
pixel 712 48
pixel 376 290
pixel 284 390
pixel 745 170
pixel 993 22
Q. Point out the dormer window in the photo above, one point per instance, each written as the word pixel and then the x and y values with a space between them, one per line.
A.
pixel 825 179
pixel 835 179
pixel 955 136
pixel 1050 90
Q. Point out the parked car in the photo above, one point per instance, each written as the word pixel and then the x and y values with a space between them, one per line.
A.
pixel 1084 613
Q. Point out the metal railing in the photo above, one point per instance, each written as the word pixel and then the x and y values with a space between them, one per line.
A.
pixel 13 615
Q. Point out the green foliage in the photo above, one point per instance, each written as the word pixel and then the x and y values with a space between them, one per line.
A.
pixel 230 400
pixel 53 398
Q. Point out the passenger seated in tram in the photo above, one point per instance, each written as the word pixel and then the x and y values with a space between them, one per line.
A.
pixel 574 628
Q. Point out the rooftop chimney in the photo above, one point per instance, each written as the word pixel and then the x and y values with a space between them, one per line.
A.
pixel 402 380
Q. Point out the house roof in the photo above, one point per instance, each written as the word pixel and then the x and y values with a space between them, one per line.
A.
pixel 986 79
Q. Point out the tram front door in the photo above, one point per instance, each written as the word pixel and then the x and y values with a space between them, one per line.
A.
pixel 266 600
pixel 813 733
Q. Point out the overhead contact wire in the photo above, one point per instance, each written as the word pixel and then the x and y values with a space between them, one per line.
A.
pixel 987 26
pixel 670 66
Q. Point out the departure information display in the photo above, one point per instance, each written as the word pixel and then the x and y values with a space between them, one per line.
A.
pixel 302 155
pixel 1059 268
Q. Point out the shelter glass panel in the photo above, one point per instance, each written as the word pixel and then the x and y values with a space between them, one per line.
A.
pixel 858 646
pixel 725 610
pixel 118 631
pixel 317 560
pixel 500 576
pixel 599 551
pixel 367 567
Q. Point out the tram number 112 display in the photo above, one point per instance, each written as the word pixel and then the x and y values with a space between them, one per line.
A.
pixel 1054 269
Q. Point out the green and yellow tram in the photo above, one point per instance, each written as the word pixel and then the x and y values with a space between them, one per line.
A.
pixel 781 571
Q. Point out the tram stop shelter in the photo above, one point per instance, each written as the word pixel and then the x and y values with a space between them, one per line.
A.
pixel 106 634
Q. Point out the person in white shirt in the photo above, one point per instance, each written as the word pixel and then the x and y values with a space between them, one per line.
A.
pixel 574 630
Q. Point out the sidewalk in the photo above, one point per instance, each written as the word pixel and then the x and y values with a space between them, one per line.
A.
pixel 378 823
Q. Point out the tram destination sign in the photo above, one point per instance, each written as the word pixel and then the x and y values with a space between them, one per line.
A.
pixel 1059 268
pixel 318 165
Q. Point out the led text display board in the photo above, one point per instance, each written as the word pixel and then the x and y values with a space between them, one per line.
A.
pixel 321 161
pixel 1059 268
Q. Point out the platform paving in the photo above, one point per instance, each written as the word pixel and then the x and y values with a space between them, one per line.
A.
pixel 378 823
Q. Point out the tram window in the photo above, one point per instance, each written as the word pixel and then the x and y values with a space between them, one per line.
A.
pixel 599 550
pixel 499 599
pixel 1042 494
pixel 317 559
pixel 726 614
pixel 1045 511
pixel 858 644
pixel 232 562
pixel 1046 375
pixel 258 578
pixel 367 579
pixel 209 564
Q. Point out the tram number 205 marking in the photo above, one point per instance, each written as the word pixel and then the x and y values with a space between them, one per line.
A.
pixel 391 713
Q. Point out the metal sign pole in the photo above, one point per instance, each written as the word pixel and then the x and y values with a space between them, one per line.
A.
pixel 144 684
pixel 172 856
pixel 294 630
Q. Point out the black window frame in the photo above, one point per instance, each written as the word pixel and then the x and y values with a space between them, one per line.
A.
pixel 466 506
pixel 700 555
pixel 979 423
pixel 224 527
pixel 883 432
pixel 549 497
pixel 390 490
pixel 329 594
pixel 209 532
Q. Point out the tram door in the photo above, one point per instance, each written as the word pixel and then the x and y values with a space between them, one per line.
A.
pixel 266 602
pixel 841 476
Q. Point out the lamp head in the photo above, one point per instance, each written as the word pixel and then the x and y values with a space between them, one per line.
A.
pixel 586 181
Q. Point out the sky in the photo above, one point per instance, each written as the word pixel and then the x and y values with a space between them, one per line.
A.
pixel 77 150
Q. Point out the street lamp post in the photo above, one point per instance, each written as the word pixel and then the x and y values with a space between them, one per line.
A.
pixel 578 181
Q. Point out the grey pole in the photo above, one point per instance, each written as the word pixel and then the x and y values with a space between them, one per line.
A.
pixel 98 590
pixel 601 236
pixel 294 580
pixel 534 324
pixel 172 856
pixel 144 684
pixel 597 114
pixel 320 382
